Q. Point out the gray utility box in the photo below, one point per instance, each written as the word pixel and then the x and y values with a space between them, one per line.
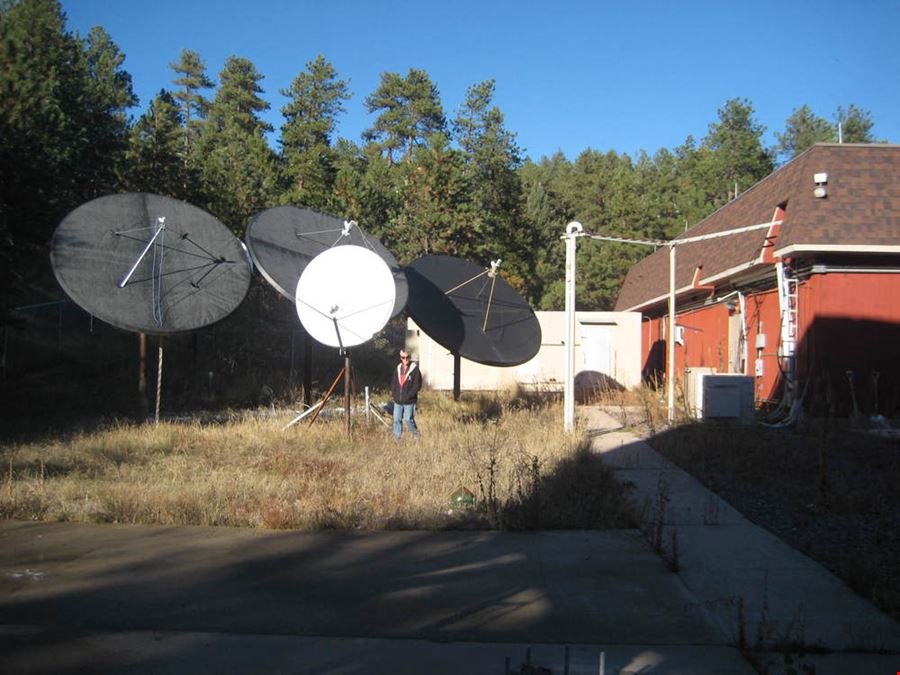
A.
pixel 728 397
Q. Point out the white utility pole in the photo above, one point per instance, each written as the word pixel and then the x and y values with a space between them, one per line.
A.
pixel 670 343
pixel 573 231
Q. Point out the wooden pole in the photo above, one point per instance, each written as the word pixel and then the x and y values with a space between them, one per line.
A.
pixel 142 375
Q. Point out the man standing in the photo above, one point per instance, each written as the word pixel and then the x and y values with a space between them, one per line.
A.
pixel 405 387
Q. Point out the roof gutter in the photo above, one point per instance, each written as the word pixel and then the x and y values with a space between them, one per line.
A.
pixel 794 249
pixel 842 269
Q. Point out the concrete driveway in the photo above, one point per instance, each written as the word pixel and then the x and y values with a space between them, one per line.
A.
pixel 177 599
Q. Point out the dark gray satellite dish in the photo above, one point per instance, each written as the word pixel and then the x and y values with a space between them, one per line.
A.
pixel 283 240
pixel 149 263
pixel 471 311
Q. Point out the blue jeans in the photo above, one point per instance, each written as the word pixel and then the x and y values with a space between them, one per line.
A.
pixel 405 412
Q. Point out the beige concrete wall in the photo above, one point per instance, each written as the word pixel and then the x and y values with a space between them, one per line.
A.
pixel 621 356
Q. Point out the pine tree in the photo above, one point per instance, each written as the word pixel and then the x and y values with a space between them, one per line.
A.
pixel 316 99
pixel 492 158
pixel 734 157
pixel 856 124
pixel 545 214
pixel 802 130
pixel 409 109
pixel 237 101
pixel 435 216
pixel 108 95
pixel 191 80
pixel 374 186
pixel 237 169
pixel 154 152
pixel 63 126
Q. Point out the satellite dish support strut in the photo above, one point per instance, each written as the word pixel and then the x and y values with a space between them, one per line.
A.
pixel 161 226
pixel 324 400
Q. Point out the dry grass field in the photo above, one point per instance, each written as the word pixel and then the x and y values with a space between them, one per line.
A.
pixel 250 472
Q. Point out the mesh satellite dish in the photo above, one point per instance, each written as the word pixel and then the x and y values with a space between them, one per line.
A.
pixel 345 295
pixel 471 311
pixel 283 240
pixel 149 263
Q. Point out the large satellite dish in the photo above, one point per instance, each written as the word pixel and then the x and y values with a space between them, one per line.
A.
pixel 283 240
pixel 471 311
pixel 148 263
pixel 345 295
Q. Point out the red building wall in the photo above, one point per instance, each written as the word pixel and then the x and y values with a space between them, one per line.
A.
pixel 847 322
pixel 850 322
pixel 853 295
pixel 706 340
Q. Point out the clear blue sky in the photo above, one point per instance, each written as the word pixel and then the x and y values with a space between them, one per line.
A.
pixel 622 76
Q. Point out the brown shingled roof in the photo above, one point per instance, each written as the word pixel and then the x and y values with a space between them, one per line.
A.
pixel 862 208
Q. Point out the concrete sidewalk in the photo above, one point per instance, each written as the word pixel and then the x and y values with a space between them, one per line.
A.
pixel 762 592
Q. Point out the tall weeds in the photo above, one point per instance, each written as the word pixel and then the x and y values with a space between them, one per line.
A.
pixel 251 473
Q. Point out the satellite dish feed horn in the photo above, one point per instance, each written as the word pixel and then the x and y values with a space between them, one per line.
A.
pixel 493 275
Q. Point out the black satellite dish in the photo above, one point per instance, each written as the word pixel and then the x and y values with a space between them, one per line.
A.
pixel 283 240
pixel 471 311
pixel 148 263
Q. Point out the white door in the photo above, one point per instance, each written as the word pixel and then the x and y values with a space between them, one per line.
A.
pixel 596 349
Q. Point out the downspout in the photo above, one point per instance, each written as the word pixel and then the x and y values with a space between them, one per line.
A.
pixel 742 301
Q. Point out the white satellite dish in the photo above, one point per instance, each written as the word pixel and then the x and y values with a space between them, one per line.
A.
pixel 345 295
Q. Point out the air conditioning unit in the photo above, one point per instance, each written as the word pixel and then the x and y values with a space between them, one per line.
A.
pixel 693 389
pixel 728 397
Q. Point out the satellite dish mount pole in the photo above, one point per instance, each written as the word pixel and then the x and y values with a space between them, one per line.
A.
pixel 346 354
pixel 142 376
